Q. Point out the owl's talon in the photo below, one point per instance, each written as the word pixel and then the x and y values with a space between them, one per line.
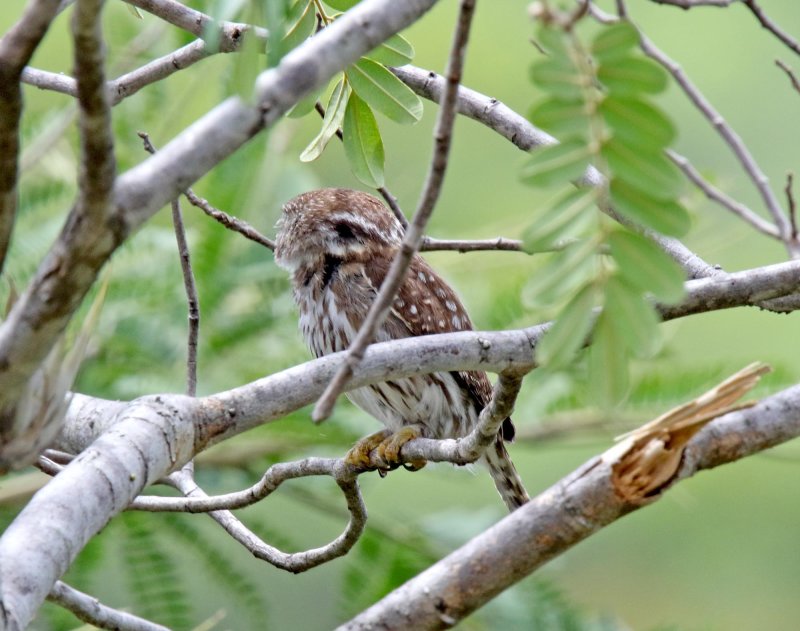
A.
pixel 359 454
pixel 387 446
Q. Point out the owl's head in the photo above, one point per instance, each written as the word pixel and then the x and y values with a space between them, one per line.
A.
pixel 335 222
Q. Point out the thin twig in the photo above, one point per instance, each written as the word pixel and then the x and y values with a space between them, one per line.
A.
pixel 773 28
pixel 715 194
pixel 188 283
pixel 90 610
pixel 690 4
pixel 790 73
pixel 229 221
pixel 791 202
pixel 394 278
pixel 429 244
pixel 192 299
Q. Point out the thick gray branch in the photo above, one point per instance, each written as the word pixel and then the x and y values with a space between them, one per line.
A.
pixel 551 523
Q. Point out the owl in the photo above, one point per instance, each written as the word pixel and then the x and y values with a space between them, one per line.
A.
pixel 338 246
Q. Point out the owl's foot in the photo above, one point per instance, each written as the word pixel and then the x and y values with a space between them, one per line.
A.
pixel 388 445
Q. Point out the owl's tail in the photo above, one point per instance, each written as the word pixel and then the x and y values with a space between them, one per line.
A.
pixel 505 476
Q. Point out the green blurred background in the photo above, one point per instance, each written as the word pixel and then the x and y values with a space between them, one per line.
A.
pixel 718 552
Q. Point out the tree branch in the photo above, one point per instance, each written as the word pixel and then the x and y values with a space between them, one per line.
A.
pixel 90 610
pixel 16 48
pixel 568 512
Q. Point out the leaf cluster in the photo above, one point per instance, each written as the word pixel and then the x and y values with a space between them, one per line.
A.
pixel 364 88
pixel 597 101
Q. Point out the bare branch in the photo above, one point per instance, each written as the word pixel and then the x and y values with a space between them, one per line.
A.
pixel 773 28
pixel 229 221
pixel 430 194
pixel 690 4
pixel 131 82
pixel 98 166
pixel 90 610
pixel 429 244
pixel 188 283
pixel 573 509
pixel 790 201
pixel 16 48
pixel 790 73
pixel 715 194
pixel 191 297
pixel 218 507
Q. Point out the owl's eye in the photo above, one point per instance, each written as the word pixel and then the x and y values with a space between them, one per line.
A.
pixel 344 231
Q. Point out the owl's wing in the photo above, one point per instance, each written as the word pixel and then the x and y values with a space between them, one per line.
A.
pixel 426 304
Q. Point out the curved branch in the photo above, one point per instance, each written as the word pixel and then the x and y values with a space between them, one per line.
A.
pixel 219 507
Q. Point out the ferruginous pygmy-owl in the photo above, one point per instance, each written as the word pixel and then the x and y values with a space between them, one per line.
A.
pixel 338 244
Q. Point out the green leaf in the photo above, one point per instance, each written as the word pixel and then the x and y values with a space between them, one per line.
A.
pixel 631 75
pixel 614 41
pixel 563 272
pixel 558 163
pixel 632 316
pixel 608 364
pixel 666 217
pixel 395 51
pixel 136 13
pixel 558 77
pixel 384 92
pixel 334 115
pixel 362 142
pixel 637 122
pixel 643 264
pixel 567 335
pixel 300 24
pixel 341 5
pixel 559 218
pixel 561 118
pixel 649 171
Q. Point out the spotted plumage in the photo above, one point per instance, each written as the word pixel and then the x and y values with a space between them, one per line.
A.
pixel 338 244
